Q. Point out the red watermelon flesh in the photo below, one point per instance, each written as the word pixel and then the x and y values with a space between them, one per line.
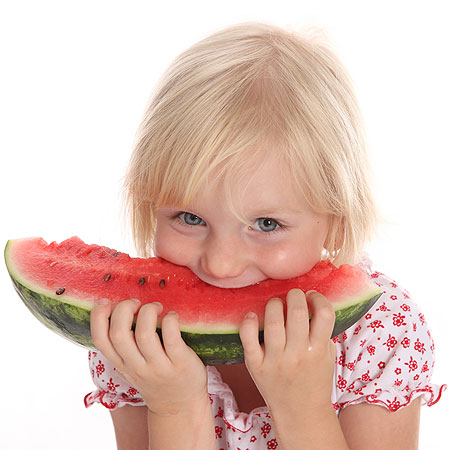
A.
pixel 90 272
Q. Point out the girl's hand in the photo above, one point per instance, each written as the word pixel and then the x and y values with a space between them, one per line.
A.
pixel 171 378
pixel 293 369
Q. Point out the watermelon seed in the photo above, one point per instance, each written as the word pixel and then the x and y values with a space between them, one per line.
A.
pixel 52 264
pixel 142 281
pixel 107 277
pixel 60 291
pixel 162 283
pixel 116 254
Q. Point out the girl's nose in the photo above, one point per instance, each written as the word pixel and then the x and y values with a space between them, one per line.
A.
pixel 224 257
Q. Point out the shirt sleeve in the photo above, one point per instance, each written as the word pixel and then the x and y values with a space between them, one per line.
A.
pixel 387 357
pixel 112 391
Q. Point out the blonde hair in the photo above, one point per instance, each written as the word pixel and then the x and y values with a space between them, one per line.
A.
pixel 226 103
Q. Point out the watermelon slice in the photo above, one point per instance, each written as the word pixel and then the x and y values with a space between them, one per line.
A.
pixel 60 283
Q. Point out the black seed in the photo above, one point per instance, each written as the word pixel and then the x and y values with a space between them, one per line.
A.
pixel 60 291
pixel 142 281
pixel 162 283
pixel 116 254
pixel 107 277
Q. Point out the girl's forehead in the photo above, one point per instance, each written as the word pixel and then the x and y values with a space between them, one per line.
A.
pixel 265 187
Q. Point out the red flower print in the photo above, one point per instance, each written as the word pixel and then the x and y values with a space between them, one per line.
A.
pixel 414 327
pixel 394 285
pixel 363 343
pixel 111 386
pixel 422 318
pixel 419 346
pixel 341 359
pixel 100 368
pixel 89 355
pixel 412 364
pixel 360 390
pixel 344 336
pixel 375 275
pixel 132 392
pixel 391 342
pixel 219 432
pixel 272 444
pixel 375 324
pixel 405 342
pixel 393 406
pixel 365 376
pixel 383 307
pixel 398 382
pixel 336 339
pixel 371 350
pixel 393 297
pixel 398 320
pixel 253 439
pixel 381 365
pixel 405 307
pixel 351 366
pixel 398 371
pixel 416 377
pixel 368 316
pixel 357 330
pixel 265 429
pixel 219 412
pixel 425 367
pixel 405 294
pixel 342 383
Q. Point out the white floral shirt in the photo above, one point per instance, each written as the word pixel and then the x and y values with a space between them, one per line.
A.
pixel 386 358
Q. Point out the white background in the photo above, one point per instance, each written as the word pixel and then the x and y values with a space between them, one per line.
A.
pixel 75 78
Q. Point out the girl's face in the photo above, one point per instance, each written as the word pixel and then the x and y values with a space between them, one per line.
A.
pixel 282 236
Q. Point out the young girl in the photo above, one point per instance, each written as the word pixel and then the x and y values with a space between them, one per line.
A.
pixel 250 164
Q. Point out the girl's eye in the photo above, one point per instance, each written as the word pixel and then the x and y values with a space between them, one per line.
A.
pixel 190 219
pixel 266 224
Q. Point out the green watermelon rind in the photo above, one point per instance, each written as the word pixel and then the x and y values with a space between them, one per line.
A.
pixel 72 321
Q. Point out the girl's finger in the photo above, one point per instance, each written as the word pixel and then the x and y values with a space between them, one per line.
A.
pixel 122 335
pixel 249 334
pixel 147 338
pixel 297 321
pixel 175 347
pixel 274 330
pixel 100 331
pixel 323 317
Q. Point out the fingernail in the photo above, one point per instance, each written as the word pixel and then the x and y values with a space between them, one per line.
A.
pixel 311 292
pixel 250 315
pixel 159 305
pixel 172 313
pixel 136 300
pixel 103 301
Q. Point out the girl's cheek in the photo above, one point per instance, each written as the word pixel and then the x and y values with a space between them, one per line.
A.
pixel 172 247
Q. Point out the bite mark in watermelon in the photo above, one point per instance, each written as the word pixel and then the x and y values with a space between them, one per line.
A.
pixel 60 283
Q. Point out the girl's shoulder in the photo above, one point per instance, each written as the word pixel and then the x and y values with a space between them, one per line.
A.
pixel 387 357
pixel 395 319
